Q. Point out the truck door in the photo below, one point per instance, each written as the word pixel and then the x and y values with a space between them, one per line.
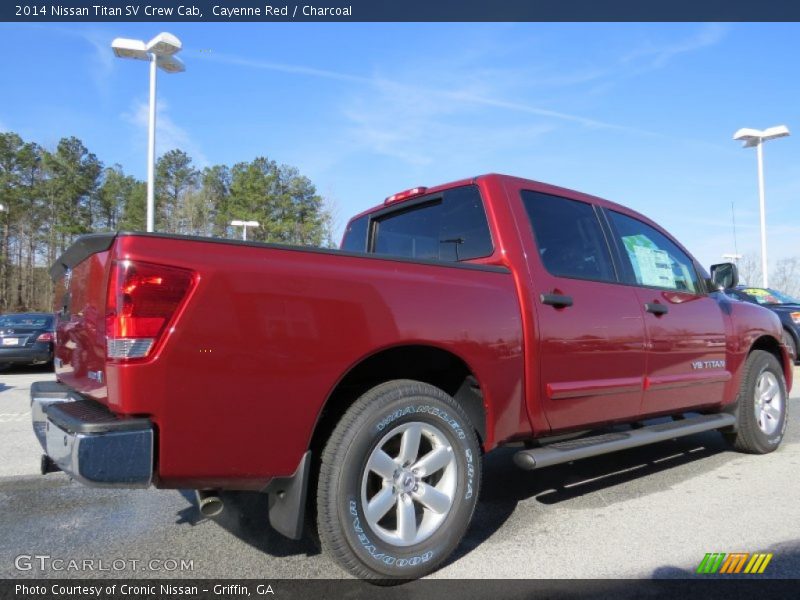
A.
pixel 588 326
pixel 685 327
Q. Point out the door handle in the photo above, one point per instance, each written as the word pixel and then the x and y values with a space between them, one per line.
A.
pixel 557 300
pixel 656 308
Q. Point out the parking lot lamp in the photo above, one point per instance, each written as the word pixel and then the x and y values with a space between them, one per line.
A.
pixel 755 137
pixel 734 258
pixel 244 225
pixel 160 52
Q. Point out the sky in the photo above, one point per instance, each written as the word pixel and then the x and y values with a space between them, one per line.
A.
pixel 642 114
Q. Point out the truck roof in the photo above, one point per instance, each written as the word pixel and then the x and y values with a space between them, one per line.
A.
pixel 529 183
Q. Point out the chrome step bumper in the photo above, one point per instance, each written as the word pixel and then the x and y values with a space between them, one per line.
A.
pixel 90 443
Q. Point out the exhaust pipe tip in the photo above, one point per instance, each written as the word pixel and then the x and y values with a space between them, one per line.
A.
pixel 209 503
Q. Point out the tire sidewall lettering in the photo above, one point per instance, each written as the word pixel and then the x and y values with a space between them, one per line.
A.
pixel 372 549
pixel 423 408
pixel 470 474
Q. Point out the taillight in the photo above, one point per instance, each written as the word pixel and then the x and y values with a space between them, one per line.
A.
pixel 45 337
pixel 796 317
pixel 142 300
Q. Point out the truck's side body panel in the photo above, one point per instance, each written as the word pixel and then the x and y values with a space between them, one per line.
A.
pixel 605 358
pixel 237 387
pixel 686 355
pixel 588 358
pixel 747 324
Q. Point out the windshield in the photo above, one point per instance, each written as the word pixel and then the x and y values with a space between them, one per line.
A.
pixel 770 296
pixel 25 321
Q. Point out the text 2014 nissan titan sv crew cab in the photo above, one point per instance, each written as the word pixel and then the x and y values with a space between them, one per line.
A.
pixel 360 387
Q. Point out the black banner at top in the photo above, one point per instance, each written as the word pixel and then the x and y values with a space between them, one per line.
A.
pixel 398 10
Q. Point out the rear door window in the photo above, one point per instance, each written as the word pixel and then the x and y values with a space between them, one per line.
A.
pixel 450 228
pixel 569 237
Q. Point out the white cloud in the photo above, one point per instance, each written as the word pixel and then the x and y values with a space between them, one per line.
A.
pixel 230 59
pixel 101 60
pixel 169 135
pixel 655 55
pixel 429 113
pixel 381 84
pixel 405 114
pixel 421 125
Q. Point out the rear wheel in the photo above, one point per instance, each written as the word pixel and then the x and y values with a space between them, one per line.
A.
pixel 761 405
pixel 398 482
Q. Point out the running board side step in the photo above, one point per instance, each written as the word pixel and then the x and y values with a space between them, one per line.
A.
pixel 567 451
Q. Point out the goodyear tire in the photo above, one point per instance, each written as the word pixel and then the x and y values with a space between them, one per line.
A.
pixel 398 483
pixel 760 405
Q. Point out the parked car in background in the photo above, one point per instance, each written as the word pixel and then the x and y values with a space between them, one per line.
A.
pixel 26 339
pixel 785 306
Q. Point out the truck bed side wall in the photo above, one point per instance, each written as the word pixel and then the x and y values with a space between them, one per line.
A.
pixel 236 390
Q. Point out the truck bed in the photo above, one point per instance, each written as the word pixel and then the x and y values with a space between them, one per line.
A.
pixel 269 326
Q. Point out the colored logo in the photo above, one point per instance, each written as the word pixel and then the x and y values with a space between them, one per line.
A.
pixel 736 562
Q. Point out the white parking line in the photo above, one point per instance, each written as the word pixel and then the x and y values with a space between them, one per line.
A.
pixel 14 417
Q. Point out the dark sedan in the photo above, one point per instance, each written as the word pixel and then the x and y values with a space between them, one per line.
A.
pixel 26 339
pixel 786 307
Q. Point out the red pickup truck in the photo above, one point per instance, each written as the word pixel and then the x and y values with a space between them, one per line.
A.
pixel 360 387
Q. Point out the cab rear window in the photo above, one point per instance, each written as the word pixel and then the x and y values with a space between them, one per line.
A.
pixel 355 236
pixel 449 228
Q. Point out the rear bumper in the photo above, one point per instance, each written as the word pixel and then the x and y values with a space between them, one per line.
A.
pixel 38 353
pixel 88 442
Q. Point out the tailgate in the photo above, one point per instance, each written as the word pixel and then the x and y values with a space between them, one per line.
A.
pixel 81 278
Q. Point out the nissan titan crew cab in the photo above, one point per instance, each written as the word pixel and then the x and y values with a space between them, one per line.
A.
pixel 359 388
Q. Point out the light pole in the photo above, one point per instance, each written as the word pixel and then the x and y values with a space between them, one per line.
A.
pixel 160 53
pixel 244 225
pixel 755 137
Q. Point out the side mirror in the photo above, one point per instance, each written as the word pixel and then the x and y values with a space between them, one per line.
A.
pixel 724 276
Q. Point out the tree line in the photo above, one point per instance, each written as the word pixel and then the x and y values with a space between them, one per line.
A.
pixel 784 277
pixel 49 197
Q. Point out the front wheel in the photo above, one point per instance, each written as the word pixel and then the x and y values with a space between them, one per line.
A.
pixel 398 482
pixel 760 405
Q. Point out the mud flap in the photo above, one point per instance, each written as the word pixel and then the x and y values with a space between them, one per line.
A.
pixel 287 500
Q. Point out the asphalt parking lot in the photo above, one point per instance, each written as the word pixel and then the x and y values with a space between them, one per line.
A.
pixel 646 513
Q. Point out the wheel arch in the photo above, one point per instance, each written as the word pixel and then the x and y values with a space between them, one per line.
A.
pixel 795 337
pixel 421 362
pixel 768 343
